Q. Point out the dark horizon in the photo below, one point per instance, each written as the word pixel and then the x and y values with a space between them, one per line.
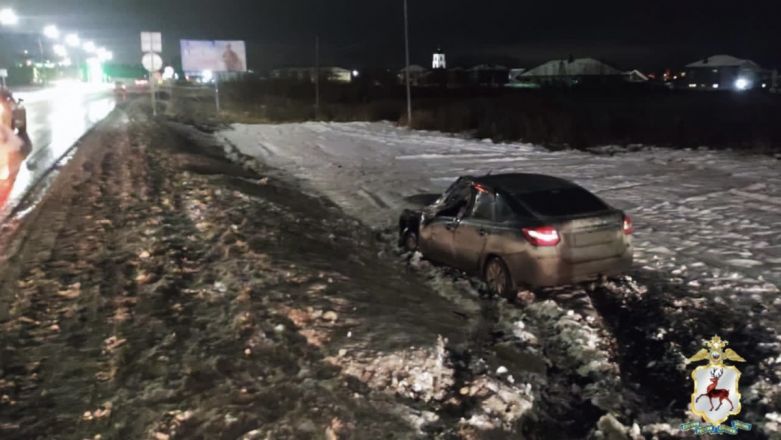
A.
pixel 357 34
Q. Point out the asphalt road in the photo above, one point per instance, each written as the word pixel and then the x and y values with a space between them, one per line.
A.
pixel 56 117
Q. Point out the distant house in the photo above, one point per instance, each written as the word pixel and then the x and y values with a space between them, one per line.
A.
pixel 514 74
pixel 488 75
pixel 331 74
pixel 417 74
pixel 337 74
pixel 293 73
pixel 516 81
pixel 635 76
pixel 722 72
pixel 569 72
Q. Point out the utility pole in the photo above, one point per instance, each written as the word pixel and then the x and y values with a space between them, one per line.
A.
pixel 152 85
pixel 406 69
pixel 317 78
pixel 217 92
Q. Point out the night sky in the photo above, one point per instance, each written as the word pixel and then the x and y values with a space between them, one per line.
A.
pixel 368 33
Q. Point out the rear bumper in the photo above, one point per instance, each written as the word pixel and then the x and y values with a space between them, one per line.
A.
pixel 554 271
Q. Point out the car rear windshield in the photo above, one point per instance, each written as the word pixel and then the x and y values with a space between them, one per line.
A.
pixel 560 202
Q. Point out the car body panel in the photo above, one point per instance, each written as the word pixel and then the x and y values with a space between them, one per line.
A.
pixel 552 271
pixel 436 239
pixel 470 238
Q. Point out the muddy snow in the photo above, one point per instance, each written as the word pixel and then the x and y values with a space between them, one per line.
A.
pixel 160 290
pixel 708 261
pixel 179 284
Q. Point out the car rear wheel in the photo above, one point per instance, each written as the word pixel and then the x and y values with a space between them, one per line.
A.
pixel 498 277
pixel 410 241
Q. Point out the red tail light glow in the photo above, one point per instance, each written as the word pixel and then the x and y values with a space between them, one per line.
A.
pixel 628 229
pixel 480 188
pixel 542 236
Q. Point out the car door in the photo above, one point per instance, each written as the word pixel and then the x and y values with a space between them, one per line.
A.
pixel 471 233
pixel 436 239
pixel 437 234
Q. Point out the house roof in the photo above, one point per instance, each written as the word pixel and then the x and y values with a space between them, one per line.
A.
pixel 637 75
pixel 487 67
pixel 576 67
pixel 723 61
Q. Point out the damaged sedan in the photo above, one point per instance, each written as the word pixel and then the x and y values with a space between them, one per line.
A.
pixel 521 230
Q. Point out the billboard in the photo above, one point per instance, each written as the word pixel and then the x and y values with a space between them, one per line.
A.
pixel 217 56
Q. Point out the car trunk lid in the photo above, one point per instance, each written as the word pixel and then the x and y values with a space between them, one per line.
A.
pixel 592 237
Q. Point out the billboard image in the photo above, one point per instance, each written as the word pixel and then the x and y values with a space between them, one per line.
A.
pixel 217 56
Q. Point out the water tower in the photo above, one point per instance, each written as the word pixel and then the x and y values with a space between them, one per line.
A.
pixel 439 60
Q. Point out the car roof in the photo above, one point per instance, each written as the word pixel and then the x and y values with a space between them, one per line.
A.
pixel 519 183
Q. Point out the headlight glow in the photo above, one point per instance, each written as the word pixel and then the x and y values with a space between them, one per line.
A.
pixel 742 83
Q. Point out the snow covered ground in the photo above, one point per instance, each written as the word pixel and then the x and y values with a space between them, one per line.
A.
pixel 707 253
pixel 711 218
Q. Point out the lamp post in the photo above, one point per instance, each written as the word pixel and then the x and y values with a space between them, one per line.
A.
pixel 317 78
pixel 7 18
pixel 406 69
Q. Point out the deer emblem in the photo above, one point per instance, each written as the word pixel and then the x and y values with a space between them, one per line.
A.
pixel 716 393
pixel 713 410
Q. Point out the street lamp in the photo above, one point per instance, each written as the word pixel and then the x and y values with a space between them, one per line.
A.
pixel 105 55
pixel 406 65
pixel 8 17
pixel 72 40
pixel 51 31
pixel 60 50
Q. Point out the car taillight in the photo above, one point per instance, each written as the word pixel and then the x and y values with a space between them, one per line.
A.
pixel 628 229
pixel 542 236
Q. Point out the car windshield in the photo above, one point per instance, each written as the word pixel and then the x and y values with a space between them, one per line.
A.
pixel 559 202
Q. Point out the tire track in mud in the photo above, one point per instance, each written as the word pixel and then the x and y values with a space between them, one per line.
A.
pixel 644 324
pixel 62 295
pixel 657 323
pixel 650 365
pixel 538 345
